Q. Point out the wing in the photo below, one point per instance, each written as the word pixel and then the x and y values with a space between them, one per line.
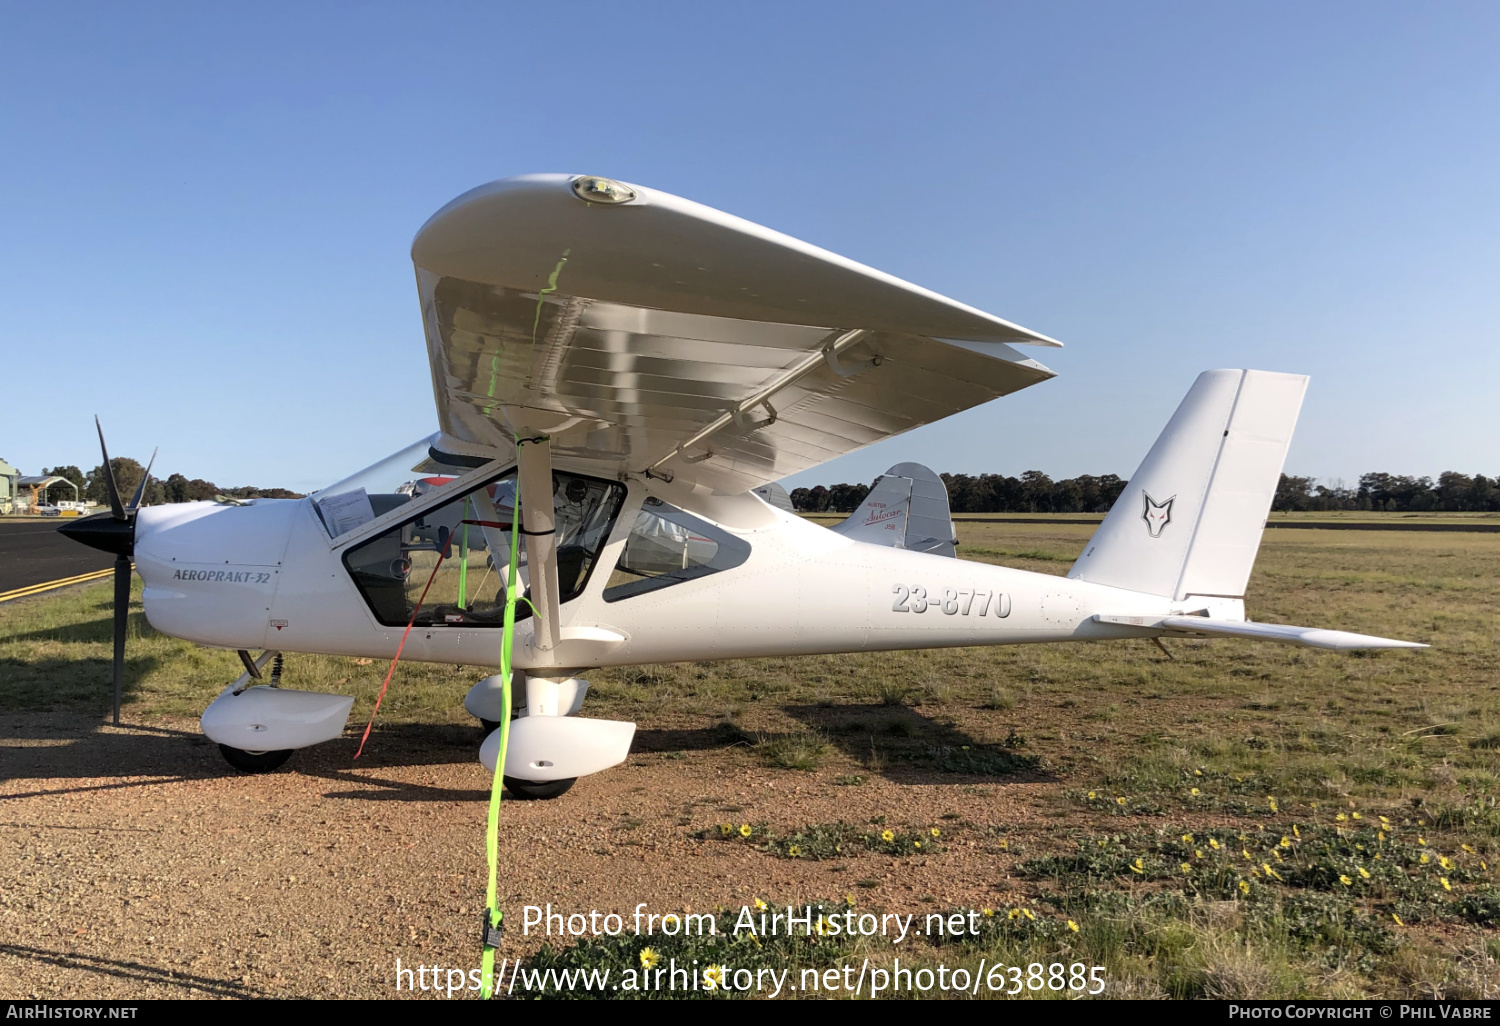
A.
pixel 655 334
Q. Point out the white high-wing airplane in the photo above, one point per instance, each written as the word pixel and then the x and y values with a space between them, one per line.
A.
pixel 652 365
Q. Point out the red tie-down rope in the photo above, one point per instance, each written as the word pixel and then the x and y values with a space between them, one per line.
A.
pixel 389 673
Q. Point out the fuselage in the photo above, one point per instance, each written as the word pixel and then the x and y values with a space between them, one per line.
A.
pixel 268 575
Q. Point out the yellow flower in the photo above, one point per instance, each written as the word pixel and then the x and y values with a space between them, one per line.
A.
pixel 1422 840
pixel 1353 815
pixel 1421 822
pixel 1364 872
pixel 1244 853
pixel 1444 861
pixel 1028 914
pixel 1312 805
pixel 726 829
pixel 1286 842
pixel 1015 913
pixel 1269 871
pixel 745 830
pixel 1397 919
pixel 989 911
pixel 760 906
pixel 1138 866
pixel 1092 795
pixel 1213 844
pixel 1341 817
pixel 936 832
pixel 849 900
pixel 1272 801
pixel 1444 881
pixel 1385 821
pixel 1188 838
pixel 1380 836
pixel 1197 773
pixel 649 957
pixel 888 835
pixel 1187 868
pixel 1277 855
pixel 1424 860
pixel 1197 853
pixel 1005 844
pixel 917 843
pixel 713 977
pixel 1295 832
pixel 1483 866
pixel 1345 880
pixel 1194 791
pixel 1072 926
pixel 794 851
pixel 1466 848
pixel 1119 801
pixel 1244 886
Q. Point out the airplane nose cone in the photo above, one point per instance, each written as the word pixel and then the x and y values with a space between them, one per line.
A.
pixel 102 531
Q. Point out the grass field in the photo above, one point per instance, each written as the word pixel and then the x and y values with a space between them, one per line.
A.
pixel 1240 820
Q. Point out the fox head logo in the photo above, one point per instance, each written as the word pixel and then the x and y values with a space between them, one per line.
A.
pixel 1157 514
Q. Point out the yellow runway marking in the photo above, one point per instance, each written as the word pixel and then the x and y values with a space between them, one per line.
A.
pixel 37 589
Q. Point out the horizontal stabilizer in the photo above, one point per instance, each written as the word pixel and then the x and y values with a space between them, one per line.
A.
pixel 1312 637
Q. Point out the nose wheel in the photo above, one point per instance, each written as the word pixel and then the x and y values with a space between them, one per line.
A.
pixel 254 762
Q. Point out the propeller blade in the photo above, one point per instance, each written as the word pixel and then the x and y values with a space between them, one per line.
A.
pixel 116 507
pixel 140 489
pixel 122 618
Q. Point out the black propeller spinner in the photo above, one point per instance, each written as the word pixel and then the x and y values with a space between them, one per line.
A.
pixel 114 532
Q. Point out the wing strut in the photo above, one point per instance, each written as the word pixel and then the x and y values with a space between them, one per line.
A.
pixel 736 415
pixel 539 524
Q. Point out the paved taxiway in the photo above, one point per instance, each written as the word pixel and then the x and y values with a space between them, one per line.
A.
pixel 32 552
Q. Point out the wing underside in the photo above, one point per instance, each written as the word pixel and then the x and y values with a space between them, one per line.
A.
pixel 665 336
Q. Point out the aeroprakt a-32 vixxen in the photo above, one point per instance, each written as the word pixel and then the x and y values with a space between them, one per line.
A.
pixel 645 368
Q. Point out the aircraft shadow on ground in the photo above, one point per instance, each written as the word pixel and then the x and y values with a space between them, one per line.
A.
pixel 906 747
pixel 134 972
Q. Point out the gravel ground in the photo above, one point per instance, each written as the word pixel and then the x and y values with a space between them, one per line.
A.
pixel 136 864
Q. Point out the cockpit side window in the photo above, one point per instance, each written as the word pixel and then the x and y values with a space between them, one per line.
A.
pixel 471 532
pixel 668 546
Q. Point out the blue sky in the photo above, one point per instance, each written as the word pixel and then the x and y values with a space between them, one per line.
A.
pixel 205 212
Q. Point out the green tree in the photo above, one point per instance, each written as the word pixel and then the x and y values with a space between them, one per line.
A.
pixel 127 475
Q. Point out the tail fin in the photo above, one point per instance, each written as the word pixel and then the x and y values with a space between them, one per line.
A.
pixel 907 509
pixel 1190 521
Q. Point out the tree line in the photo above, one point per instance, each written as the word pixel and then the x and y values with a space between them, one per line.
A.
pixel 176 488
pixel 1393 493
pixel 1035 492
pixel 1032 492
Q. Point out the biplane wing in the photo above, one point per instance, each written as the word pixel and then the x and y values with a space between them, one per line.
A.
pixel 646 333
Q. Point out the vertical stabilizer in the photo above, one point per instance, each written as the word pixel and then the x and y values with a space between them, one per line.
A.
pixel 906 509
pixel 1189 522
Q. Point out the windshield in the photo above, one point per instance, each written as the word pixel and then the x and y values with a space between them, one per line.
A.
pixel 381 487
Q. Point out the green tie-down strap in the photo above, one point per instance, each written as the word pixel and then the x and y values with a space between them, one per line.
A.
pixel 492 914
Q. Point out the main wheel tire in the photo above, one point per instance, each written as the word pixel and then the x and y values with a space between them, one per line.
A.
pixel 490 726
pixel 254 762
pixel 538 790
